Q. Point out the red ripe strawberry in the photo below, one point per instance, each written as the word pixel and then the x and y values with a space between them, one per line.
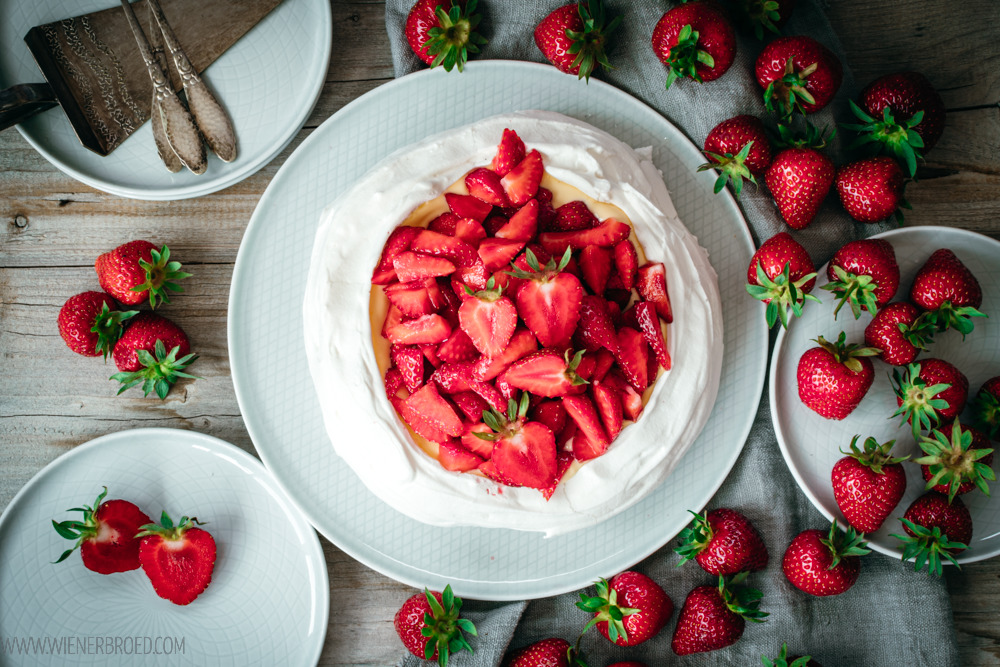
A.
pixel 521 344
pixel 105 535
pixel 695 40
pixel 714 617
pixel 417 266
pixel 986 407
pixel 574 37
pixel 763 15
pixel 464 206
pixel 573 216
pixel 608 402
pixel 945 286
pixel 649 325
pixel 627 263
pixel 864 274
pixel 900 332
pixel 524 452
pixel 446 222
pixel 929 392
pixel 428 407
pixel 460 253
pixel 628 610
pixel 399 240
pixel 596 330
pixel 136 271
pixel 823 564
pixel 489 319
pixel 546 373
pixel 443 32
pixel 91 323
pixel 457 458
pixel 798 73
pixel 484 184
pixel 633 357
pixel 177 559
pixel 549 300
pixel 595 265
pixel 652 286
pixel 510 152
pixel 834 377
pixel 422 330
pixel 153 351
pixel 551 652
pixel 799 179
pixel 868 483
pixel 781 274
pixel 458 348
pixel 409 360
pixel 588 424
pixel 935 528
pixel 523 225
pixel 521 183
pixel 738 148
pixel 607 234
pixel 871 189
pixel 956 460
pixel 902 114
pixel 411 299
pixel 723 542
pixel 439 614
pixel 550 413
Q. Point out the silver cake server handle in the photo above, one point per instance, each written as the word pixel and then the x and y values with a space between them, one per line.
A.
pixel 210 116
pixel 178 125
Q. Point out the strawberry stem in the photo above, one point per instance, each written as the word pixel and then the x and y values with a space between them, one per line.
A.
pixel 160 370
pixel 926 547
pixel 79 530
pixel 455 37
pixel 161 276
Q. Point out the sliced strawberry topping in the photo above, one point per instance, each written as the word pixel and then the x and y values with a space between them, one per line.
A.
pixel 417 266
pixel 549 300
pixel 453 378
pixel 596 329
pixel 649 324
pixel 444 223
pixel 546 373
pixel 494 224
pixel 521 343
pixel 521 182
pixel 470 230
pixel 426 329
pixel 528 456
pixel 489 393
pixel 399 240
pixel 489 469
pixel 550 413
pixel 603 360
pixel 633 354
pixel 594 441
pixel 426 407
pixel 467 206
pixel 410 299
pixel 546 214
pixel 627 263
pixel 574 216
pixel 510 152
pixel 595 265
pixel 410 362
pixel 457 458
pixel 489 319
pixel 609 233
pixel 631 399
pixel 608 401
pixel 484 184
pixel 460 253
pixel 392 317
pixel 563 462
pixel 458 348
pixel 586 367
pixel 523 225
pixel 498 253
pixel 475 276
pixel 652 286
pixel 430 354
pixel 471 404
pixel 506 390
pixel 393 383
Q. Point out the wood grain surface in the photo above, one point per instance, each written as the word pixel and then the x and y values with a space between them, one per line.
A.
pixel 52 228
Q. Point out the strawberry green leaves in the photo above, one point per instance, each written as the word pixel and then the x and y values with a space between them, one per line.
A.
pixel 160 371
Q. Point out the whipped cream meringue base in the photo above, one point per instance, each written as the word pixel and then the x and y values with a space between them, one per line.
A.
pixel 362 425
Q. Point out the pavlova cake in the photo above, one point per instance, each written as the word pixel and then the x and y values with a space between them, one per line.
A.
pixel 508 326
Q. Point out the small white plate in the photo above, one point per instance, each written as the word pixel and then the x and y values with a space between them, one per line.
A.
pixel 268 81
pixel 268 602
pixel 811 444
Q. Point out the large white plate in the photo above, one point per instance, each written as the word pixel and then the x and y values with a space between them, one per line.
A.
pixel 811 444
pixel 269 599
pixel 272 379
pixel 268 81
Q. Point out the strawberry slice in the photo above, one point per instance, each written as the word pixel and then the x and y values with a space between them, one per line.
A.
pixel 521 183
pixel 586 367
pixel 510 152
pixel 546 213
pixel 489 319
pixel 523 225
pixel 546 373
pixel 574 216
pixel 457 458
pixel 596 330
pixel 489 469
pixel 633 355
pixel 393 383
pixel 409 360
pixel 410 299
pixel 627 263
pixel 595 265
pixel 652 287
pixel 563 462
pixel 484 184
pixel 523 452
pixel 399 240
pixel 430 354
pixel 427 407
pixel 477 445
pixel 392 317
pixel 471 404
pixel 498 252
pixel 457 349
pixel 467 206
pixel 608 401
pixel 453 378
pixel 649 325
pixel 595 440
pixel 494 224
pixel 474 276
pixel 631 399
pixel 549 300
pixel 438 300
pixel 603 360
pixel 609 233
pixel 460 253
pixel 417 266
pixel 489 393
pixel 507 392
pixel 470 230
pixel 521 343
pixel 178 560
pixel 444 223
pixel 426 329
pixel 550 413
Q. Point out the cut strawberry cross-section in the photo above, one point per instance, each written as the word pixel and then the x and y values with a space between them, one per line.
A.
pixel 430 415
pixel 521 183
pixel 411 299
pixel 460 253
pixel 489 319
pixel 467 206
pixel 417 266
pixel 523 452
pixel 652 286
pixel 510 152
pixel 457 458
pixel 608 402
pixel 427 329
pixel 399 240
pixel 649 325
pixel 595 265
pixel 409 360
pixel 521 343
pixel 596 329
pixel 574 216
pixel 595 440
pixel 470 230
pixel 497 253
pixel 549 300
pixel 523 225
pixel 484 184
pixel 633 355
pixel 627 263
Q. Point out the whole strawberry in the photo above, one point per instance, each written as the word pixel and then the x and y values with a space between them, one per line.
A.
pixel 798 73
pixel 956 460
pixel 899 330
pixel 552 652
pixel 105 534
pixel 799 179
pixel 795 661
pixel 930 392
pixel 986 407
pixel 443 32
pixel 574 37
pixel 136 271
pixel 178 559
pixel 821 563
pixel 430 627
pixel 868 483
pixel 738 148
pixel 695 40
pixel 628 610
pixel 935 528
pixel 763 15
pixel 863 274
pixel 724 542
pixel 714 617
pixel 781 274
pixel 945 287
pixel 871 189
pixel 153 351
pixel 91 323
pixel 834 377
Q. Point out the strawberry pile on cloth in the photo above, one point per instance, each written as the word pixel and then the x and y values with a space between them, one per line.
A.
pixel 890 613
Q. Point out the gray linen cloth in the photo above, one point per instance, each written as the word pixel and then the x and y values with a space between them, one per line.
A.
pixel 892 616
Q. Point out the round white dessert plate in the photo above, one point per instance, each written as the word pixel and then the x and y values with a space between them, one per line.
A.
pixel 269 599
pixel 268 81
pixel 276 395
pixel 811 444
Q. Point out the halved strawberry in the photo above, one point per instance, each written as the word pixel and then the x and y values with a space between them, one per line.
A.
pixel 453 378
pixel 489 393
pixel 426 329
pixel 497 253
pixel 627 263
pixel 178 560
pixel 574 216
pixel 484 184
pixel 595 440
pixel 467 206
pixel 523 225
pixel 595 265
pixel 523 452
pixel 399 240
pixel 546 373
pixel 521 182
pixel 489 470
pixel 549 300
pixel 649 325
pixel 563 462
pixel 444 223
pixel 457 458
pixel 521 343
pixel 457 349
pixel 393 383
pixel 410 362
pixel 609 233
pixel 410 299
pixel 470 230
pixel 470 404
pixel 474 444
pixel 631 399
pixel 652 287
pixel 603 360
pixel 460 253
pixel 510 152
pixel 550 413
pixel 489 319
pixel 417 266
pixel 633 355
pixel 595 329
pixel 427 407
pixel 608 401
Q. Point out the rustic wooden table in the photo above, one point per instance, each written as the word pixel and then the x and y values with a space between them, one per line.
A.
pixel 53 228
